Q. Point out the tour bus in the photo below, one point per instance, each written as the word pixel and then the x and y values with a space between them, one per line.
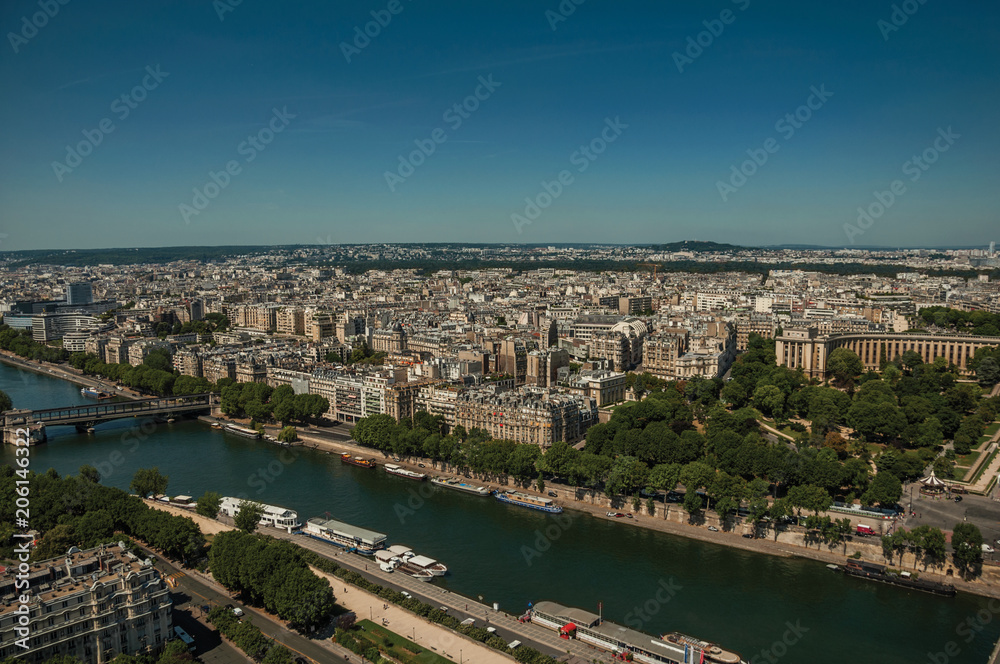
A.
pixel 185 637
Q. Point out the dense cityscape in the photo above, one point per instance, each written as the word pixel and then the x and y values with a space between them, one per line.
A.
pixel 568 332
pixel 793 407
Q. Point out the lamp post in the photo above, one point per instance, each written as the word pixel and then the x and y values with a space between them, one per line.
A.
pixel 460 656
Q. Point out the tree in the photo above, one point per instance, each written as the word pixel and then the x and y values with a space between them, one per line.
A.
pixel 149 481
pixel 89 473
pixel 844 364
pixel 770 400
pixel 813 498
pixel 248 516
pixel 967 547
pixel 885 489
pixel 209 503
pixel 278 654
pixel 988 373
pixel 627 475
pixel 5 402
pixel 288 435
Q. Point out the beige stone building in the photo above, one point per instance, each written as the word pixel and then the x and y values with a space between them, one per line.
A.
pixel 92 605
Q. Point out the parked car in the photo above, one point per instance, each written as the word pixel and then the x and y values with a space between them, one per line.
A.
pixel 405 594
pixel 958 499
pixel 629 516
pixel 421 465
pixel 748 535
pixel 616 515
pixel 238 612
pixel 713 529
pixel 987 548
pixel 553 494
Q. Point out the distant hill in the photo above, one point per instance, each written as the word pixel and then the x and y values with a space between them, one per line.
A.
pixel 698 246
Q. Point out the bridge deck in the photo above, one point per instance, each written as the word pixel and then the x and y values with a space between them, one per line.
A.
pixel 111 411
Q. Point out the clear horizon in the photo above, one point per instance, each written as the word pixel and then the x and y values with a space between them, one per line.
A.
pixel 229 123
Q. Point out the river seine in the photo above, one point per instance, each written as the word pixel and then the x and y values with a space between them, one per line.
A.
pixel 767 608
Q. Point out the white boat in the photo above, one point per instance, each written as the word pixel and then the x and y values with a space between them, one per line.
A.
pixel 393 469
pixel 345 535
pixel 452 483
pixel 406 555
pixel 241 431
pixel 273 516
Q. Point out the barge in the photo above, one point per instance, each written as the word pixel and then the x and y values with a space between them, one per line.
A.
pixel 272 515
pixel 399 471
pixel 357 461
pixel 627 644
pixel 527 500
pixel 241 431
pixel 875 572
pixel 345 535
pixel 461 486
pixel 421 562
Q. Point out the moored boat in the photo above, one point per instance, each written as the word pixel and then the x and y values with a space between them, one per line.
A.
pixel 357 461
pixel 94 393
pixel 875 572
pixel 271 515
pixel 241 431
pixel 406 555
pixel 625 643
pixel 399 471
pixel 345 535
pixel 527 500
pixel 452 483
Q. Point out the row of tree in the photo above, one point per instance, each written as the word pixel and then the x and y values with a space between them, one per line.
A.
pixel 21 343
pixel 78 511
pixel 261 402
pixel 248 638
pixel 271 573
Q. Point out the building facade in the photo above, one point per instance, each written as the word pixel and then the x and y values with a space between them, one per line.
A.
pixel 92 605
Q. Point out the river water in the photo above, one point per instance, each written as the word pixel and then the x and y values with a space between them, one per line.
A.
pixel 797 610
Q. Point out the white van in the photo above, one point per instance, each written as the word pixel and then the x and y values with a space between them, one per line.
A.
pixel 987 548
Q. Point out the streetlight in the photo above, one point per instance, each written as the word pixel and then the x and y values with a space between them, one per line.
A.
pixel 460 656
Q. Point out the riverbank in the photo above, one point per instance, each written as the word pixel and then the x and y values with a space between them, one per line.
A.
pixel 63 373
pixel 674 520
pixel 667 518
pixel 441 640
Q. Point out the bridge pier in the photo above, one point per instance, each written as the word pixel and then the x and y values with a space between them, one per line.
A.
pixel 18 426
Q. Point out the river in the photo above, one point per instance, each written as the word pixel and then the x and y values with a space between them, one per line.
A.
pixel 795 609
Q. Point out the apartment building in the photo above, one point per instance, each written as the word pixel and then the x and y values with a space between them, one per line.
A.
pixel 93 605
pixel 528 415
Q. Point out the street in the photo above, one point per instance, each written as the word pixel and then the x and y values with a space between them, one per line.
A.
pixel 191 593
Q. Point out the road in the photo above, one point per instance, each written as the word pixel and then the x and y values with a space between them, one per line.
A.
pixel 507 626
pixel 192 593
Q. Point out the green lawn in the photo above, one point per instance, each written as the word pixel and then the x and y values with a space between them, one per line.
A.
pixel 992 429
pixel 966 459
pixel 399 648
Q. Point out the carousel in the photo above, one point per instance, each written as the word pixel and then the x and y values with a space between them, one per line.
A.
pixel 933 486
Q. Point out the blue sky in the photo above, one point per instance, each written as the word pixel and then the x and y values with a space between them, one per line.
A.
pixel 323 175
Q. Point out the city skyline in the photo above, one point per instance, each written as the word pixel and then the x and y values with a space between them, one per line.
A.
pixel 232 124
